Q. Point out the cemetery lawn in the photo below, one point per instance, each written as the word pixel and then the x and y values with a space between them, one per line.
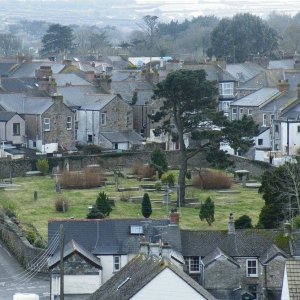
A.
pixel 38 212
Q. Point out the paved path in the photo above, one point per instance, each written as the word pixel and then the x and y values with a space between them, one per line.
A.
pixel 13 278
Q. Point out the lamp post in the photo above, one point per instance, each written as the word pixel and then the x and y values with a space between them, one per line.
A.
pixel 288 136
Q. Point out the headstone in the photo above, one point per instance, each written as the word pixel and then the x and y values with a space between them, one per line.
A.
pixel 57 187
pixel 35 195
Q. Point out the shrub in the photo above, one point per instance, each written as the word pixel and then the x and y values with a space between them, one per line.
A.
pixel 143 171
pixel 61 204
pixel 157 186
pixel 146 206
pixel 9 209
pixel 42 165
pixel 159 161
pixel 91 149
pixel 103 205
pixel 168 178
pixel 296 222
pixel 243 222
pixel 95 214
pixel 211 180
pixel 89 178
pixel 207 211
pixel 125 196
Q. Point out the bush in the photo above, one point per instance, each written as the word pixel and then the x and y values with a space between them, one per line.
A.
pixel 103 205
pixel 146 206
pixel 61 204
pixel 168 178
pixel 243 222
pixel 91 149
pixel 157 186
pixel 95 214
pixel 211 180
pixel 159 161
pixel 9 209
pixel 143 171
pixel 296 222
pixel 89 178
pixel 42 165
pixel 207 211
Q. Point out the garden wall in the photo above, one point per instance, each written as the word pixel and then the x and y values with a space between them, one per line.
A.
pixel 24 252
pixel 113 160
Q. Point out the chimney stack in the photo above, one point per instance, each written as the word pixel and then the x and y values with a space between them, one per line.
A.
pixel 231 227
pixel 174 218
pixel 287 229
pixel 166 251
pixel 144 247
pixel 154 249
pixel 283 85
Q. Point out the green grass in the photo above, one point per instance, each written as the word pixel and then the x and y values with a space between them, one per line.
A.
pixel 248 201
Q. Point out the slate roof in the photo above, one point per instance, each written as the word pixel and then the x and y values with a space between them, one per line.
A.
pixel 293 78
pixel 69 249
pixel 244 71
pixel 292 111
pixel 113 236
pixel 5 68
pixel 122 75
pixel 281 64
pixel 70 79
pixel 28 69
pixel 244 243
pixel 140 271
pixel 293 278
pixel 78 95
pixel 103 100
pixel 23 104
pixel 6 116
pixel 214 255
pixel 280 103
pixel 123 136
pixel 272 252
pixel 257 98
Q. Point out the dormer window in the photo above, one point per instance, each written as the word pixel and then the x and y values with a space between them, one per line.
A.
pixel 252 267
pixel 226 89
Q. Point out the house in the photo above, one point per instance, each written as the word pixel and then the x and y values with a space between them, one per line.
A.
pixel 291 280
pixel 251 257
pixel 115 242
pixel 12 128
pixel 82 272
pixel 49 122
pixel 151 276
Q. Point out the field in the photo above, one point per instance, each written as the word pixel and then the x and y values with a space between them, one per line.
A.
pixel 37 212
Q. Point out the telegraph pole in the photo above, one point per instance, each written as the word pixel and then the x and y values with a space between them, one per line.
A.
pixel 61 265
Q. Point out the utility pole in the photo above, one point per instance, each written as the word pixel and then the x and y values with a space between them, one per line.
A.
pixel 61 265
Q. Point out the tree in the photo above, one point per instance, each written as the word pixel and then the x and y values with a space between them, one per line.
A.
pixel 102 204
pixel 149 26
pixel 95 214
pixel 58 39
pixel 280 188
pixel 243 37
pixel 243 222
pixel 159 161
pixel 146 206
pixel 207 211
pixel 9 44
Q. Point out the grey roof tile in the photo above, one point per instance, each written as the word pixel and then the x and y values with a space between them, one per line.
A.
pixel 244 71
pixel 257 98
pixel 245 242
pixel 214 255
pixel 70 79
pixel 281 64
pixel 6 116
pixel 272 252
pixel 136 274
pixel 293 277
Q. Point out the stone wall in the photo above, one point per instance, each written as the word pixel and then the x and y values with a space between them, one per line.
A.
pixel 24 252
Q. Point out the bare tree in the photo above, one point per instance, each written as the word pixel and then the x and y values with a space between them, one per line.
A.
pixel 9 44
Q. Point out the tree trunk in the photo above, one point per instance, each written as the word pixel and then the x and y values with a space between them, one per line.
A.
pixel 181 178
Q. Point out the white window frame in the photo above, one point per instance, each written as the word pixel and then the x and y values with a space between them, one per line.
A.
pixel 69 123
pixel 241 111
pixel 249 112
pixel 103 119
pixel 116 263
pixel 234 114
pixel 248 267
pixel 265 119
pixel 192 264
pixel 46 124
pixel 16 129
pixel 226 89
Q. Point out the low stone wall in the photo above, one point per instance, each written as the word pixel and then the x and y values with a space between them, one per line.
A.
pixel 24 252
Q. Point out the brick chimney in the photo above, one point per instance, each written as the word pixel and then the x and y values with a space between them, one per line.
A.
pixel 103 81
pixel 43 72
pixel 90 75
pixel 231 227
pixel 174 218
pixel 283 85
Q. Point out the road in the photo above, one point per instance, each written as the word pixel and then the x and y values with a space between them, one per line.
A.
pixel 14 279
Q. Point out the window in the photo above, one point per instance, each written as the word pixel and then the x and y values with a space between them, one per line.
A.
pixel 298 128
pixel 46 124
pixel 117 263
pixel 16 128
pixel 249 112
pixel 226 89
pixel 69 123
pixel 252 268
pixel 265 119
pixel 233 114
pixel 90 138
pixel 241 111
pixel 252 288
pixel 260 142
pixel 224 106
pixel 272 118
pixel 193 264
pixel 136 229
pixel 276 128
pixel 103 119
